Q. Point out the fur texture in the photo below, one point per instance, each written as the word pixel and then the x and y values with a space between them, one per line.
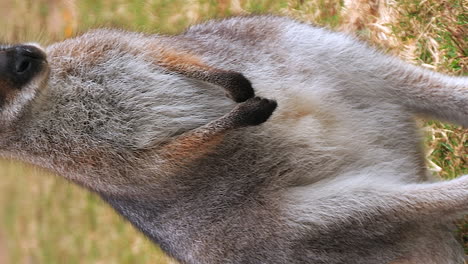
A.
pixel 335 176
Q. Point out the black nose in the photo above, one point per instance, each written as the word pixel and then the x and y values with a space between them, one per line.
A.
pixel 19 64
pixel 27 56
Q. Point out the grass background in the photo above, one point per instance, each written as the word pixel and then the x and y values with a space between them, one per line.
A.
pixel 44 219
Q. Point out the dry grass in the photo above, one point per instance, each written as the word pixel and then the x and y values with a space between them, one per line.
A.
pixel 44 219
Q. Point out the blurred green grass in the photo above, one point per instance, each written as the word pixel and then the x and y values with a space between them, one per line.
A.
pixel 44 219
pixel 47 220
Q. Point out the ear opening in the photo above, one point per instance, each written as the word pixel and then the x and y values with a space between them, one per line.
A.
pixel 236 85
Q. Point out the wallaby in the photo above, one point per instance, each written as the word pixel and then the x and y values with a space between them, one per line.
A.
pixel 336 174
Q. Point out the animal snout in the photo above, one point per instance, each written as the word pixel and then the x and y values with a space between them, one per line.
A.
pixel 20 64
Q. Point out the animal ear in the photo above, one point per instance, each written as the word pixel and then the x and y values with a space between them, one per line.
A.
pixel 236 85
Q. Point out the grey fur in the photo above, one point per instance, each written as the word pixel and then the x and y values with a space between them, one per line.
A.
pixel 335 176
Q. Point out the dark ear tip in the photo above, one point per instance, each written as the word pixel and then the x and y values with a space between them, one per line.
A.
pixel 239 87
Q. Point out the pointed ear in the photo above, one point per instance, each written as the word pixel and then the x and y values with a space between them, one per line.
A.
pixel 237 87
